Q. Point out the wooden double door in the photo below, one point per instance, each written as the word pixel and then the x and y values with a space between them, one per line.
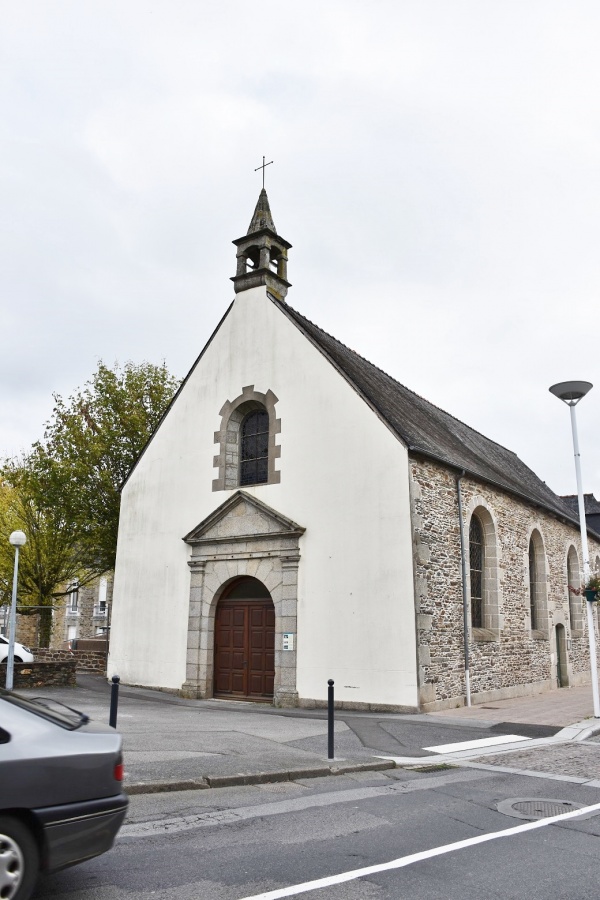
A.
pixel 245 648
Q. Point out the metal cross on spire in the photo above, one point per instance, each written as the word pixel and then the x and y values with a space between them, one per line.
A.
pixel 263 167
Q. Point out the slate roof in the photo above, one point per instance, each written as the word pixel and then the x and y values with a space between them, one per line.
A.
pixel 592 506
pixel 429 431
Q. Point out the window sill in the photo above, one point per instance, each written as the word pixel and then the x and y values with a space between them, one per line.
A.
pixel 484 635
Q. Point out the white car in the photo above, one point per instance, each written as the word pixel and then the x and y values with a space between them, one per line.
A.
pixel 22 654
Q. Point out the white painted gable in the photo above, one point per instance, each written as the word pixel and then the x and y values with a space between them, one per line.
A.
pixel 343 475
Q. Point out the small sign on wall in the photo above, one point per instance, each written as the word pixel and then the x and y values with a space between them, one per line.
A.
pixel 288 640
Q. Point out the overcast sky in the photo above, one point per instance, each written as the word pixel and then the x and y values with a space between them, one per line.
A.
pixel 436 168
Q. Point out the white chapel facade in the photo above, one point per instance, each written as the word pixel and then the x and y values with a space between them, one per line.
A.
pixel 295 518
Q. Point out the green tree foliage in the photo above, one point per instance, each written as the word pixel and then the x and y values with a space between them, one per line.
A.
pixel 65 494
pixel 7 524
pixel 90 445
pixel 52 556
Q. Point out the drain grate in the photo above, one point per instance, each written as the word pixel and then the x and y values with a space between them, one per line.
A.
pixel 541 809
pixel 536 807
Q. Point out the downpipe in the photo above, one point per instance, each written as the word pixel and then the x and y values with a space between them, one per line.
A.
pixel 463 565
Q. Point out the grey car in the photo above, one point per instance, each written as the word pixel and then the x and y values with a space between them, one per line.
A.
pixel 61 798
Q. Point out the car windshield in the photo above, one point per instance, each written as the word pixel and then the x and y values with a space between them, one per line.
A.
pixel 49 709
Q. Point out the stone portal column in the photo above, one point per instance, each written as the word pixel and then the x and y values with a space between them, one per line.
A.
pixel 196 664
pixel 285 693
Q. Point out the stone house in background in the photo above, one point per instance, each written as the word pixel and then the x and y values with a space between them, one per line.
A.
pixel 83 614
pixel 27 627
pixel 299 515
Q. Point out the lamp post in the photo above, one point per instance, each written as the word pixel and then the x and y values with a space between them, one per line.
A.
pixel 17 539
pixel 571 392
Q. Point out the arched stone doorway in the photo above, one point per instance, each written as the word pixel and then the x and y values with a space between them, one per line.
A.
pixel 242 538
pixel 244 661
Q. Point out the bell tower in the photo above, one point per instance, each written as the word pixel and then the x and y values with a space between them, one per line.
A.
pixel 262 254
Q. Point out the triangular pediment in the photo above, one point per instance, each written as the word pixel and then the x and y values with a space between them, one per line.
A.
pixel 242 516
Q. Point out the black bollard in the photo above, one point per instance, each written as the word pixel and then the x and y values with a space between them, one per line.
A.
pixel 330 754
pixel 114 701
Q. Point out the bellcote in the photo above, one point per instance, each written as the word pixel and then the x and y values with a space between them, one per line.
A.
pixel 262 254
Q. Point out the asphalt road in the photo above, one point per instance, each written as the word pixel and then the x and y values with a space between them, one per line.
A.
pixel 239 843
pixel 169 739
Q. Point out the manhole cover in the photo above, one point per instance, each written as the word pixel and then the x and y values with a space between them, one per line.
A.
pixel 537 807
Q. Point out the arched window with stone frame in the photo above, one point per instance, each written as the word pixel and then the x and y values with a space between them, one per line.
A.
pixel 246 440
pixel 537 582
pixel 573 588
pixel 254 448
pixel 476 570
pixel 483 576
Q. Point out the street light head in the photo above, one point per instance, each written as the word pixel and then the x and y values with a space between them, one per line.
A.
pixel 18 538
pixel 571 392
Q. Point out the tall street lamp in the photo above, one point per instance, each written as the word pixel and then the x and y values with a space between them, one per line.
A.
pixel 571 392
pixel 17 539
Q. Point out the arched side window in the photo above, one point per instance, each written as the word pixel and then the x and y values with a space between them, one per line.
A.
pixel 533 586
pixel 538 618
pixel 575 600
pixel 483 562
pixel 477 567
pixel 247 449
pixel 254 448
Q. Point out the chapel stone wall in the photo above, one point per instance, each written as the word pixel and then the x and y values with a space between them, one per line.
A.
pixel 509 659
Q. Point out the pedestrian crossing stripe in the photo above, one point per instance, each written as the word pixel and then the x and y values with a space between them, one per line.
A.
pixel 476 745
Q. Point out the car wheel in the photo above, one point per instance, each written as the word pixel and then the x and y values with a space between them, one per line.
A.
pixel 18 659
pixel 19 860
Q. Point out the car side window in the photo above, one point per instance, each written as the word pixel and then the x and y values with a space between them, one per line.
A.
pixel 52 710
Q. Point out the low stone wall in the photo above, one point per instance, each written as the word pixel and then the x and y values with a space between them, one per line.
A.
pixel 85 660
pixel 45 674
pixel 99 646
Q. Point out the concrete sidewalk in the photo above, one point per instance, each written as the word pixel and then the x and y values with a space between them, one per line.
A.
pixel 560 707
pixel 176 744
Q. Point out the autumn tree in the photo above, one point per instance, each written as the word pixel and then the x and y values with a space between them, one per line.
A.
pixel 52 556
pixel 65 494
pixel 91 443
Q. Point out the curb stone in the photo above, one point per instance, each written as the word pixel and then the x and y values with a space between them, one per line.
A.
pixel 239 780
pixel 580 731
pixel 162 787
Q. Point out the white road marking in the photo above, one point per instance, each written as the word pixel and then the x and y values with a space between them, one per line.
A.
pixel 475 745
pixel 418 857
